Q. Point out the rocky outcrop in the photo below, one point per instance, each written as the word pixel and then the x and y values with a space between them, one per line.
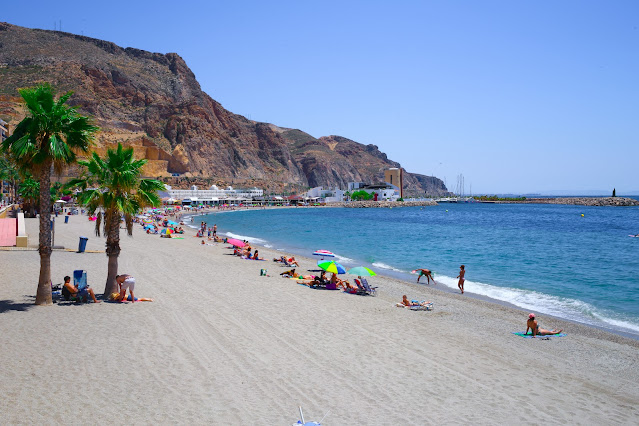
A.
pixel 152 100
pixel 579 201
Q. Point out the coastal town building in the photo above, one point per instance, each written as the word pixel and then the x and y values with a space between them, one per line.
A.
pixel 381 192
pixel 327 195
pixel 211 196
pixel 394 177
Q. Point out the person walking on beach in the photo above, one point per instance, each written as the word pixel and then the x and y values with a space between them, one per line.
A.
pixel 214 229
pixel 462 273
pixel 125 282
pixel 427 273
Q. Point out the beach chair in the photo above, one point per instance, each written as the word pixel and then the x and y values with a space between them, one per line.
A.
pixel 360 291
pixel 422 306
pixel 370 290
pixel 80 280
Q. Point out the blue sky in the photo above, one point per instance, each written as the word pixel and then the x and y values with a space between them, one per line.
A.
pixel 518 96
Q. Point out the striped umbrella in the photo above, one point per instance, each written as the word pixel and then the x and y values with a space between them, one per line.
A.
pixel 323 253
pixel 331 266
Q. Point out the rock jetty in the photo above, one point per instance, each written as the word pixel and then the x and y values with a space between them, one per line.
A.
pixel 383 204
pixel 580 201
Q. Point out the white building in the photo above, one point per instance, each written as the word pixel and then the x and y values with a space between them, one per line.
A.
pixel 213 195
pixel 386 192
pixel 327 195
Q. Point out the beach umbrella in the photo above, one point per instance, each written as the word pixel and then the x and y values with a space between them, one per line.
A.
pixel 331 266
pixel 170 222
pixel 323 253
pixel 361 271
pixel 236 242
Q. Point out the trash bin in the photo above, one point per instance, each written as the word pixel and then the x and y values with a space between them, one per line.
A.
pixel 83 244
pixel 66 219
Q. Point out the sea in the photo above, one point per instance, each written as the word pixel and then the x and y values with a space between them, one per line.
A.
pixel 574 262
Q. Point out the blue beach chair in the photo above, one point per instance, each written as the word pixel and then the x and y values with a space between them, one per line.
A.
pixel 80 280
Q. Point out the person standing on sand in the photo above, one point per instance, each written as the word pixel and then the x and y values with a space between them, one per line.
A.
pixel 215 229
pixel 427 273
pixel 462 273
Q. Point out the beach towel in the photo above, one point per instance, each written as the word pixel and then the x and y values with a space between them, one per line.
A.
pixel 529 336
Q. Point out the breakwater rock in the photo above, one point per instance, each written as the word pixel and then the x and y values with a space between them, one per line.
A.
pixel 580 201
pixel 382 204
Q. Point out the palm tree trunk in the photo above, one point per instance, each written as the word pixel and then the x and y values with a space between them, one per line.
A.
pixel 43 295
pixel 112 250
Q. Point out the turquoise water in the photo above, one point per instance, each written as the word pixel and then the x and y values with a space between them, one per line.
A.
pixel 544 258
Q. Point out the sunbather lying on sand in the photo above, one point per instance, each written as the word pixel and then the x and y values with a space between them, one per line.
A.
pixel 287 274
pixel 535 330
pixel 405 303
pixel 116 297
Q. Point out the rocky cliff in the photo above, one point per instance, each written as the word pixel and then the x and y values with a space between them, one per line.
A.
pixel 154 103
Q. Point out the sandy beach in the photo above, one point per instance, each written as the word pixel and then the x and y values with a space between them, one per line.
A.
pixel 223 345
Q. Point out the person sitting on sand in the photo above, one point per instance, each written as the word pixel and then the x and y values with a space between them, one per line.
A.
pixel 428 274
pixel 255 256
pixel 287 274
pixel 321 280
pixel 535 330
pixel 293 262
pixel 336 282
pixel 74 292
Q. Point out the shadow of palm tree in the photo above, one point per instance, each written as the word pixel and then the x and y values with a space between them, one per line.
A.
pixel 11 305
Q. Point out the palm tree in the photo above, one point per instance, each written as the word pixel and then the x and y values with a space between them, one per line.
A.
pixel 29 191
pixel 111 188
pixel 9 174
pixel 48 137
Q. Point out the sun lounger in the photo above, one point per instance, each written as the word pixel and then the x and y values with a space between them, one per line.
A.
pixel 422 306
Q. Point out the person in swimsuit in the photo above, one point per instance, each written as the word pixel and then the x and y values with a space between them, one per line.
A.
pixel 533 325
pixel 428 274
pixel 287 274
pixel 74 292
pixel 293 262
pixel 462 273
pixel 407 303
pixel 125 282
